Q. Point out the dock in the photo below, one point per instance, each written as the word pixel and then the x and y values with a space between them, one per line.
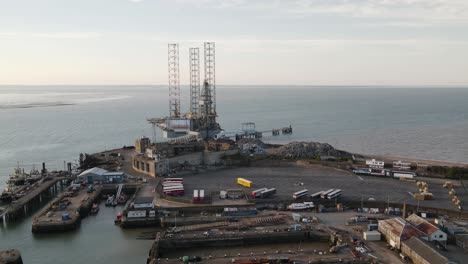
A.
pixel 48 186
pixel 65 212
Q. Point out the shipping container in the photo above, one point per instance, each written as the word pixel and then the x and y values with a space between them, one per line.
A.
pixel 196 197
pixel 372 235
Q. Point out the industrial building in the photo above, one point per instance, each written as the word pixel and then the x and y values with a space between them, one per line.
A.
pixel 396 230
pixel 431 230
pixel 194 138
pixel 98 175
pixel 421 252
pixel 141 144
pixel 400 165
pixel 376 164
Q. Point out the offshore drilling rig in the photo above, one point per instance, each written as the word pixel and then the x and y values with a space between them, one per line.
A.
pixel 194 138
pixel 200 121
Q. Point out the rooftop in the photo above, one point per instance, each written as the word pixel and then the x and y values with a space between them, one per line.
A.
pixel 400 228
pixel 425 251
pixel 94 170
pixel 422 224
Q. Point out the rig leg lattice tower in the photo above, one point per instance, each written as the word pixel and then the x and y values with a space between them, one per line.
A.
pixel 174 82
pixel 210 75
pixel 194 80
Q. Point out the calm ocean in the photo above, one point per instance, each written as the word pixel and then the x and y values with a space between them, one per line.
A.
pixel 54 124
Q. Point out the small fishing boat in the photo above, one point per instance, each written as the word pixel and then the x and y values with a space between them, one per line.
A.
pixel 110 200
pixel 122 199
pixel 118 218
pixel 94 209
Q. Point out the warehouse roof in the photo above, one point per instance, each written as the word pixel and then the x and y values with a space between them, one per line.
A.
pixel 422 224
pixel 425 251
pixel 94 170
pixel 401 228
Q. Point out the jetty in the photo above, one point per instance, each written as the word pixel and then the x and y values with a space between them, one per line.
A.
pixel 65 212
pixel 33 196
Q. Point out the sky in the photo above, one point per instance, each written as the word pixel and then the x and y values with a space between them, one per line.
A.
pixel 258 42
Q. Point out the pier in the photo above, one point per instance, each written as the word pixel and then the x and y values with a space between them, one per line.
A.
pixel 65 212
pixel 251 132
pixel 47 187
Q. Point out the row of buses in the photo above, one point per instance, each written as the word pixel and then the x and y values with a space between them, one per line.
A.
pixel 330 194
pixel 173 186
pixel 385 172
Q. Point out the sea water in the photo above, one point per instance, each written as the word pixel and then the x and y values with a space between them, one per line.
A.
pixel 53 124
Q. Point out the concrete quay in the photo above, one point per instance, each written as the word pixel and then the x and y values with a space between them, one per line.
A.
pixel 76 206
pixel 49 186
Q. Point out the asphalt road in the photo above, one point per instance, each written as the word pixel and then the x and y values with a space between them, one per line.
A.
pixel 289 180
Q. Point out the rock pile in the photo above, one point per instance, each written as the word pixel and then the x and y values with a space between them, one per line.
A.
pixel 309 150
pixel 11 256
pixel 249 146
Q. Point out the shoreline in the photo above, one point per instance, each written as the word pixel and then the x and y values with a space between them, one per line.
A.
pixel 386 158
pixel 417 160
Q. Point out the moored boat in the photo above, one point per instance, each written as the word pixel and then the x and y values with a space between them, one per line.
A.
pixel 94 209
pixel 118 218
pixel 110 200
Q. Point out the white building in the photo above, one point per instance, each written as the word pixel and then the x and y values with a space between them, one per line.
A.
pixel 91 175
pixel 432 231
pixel 400 165
pixel 375 164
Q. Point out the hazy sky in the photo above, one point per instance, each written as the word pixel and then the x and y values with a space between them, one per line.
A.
pixel 316 42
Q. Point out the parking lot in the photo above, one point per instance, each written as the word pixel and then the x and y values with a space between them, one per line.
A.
pixel 292 179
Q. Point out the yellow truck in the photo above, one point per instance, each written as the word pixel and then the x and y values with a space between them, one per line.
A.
pixel 244 182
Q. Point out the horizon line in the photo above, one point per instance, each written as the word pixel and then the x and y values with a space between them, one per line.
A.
pixel 270 85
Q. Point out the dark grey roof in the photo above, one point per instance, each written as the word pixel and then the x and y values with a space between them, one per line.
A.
pixel 425 251
pixel 143 200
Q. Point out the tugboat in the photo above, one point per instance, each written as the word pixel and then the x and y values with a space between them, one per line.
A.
pixel 110 200
pixel 6 196
pixel 94 209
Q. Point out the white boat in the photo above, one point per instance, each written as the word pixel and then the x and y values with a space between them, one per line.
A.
pixel 110 200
